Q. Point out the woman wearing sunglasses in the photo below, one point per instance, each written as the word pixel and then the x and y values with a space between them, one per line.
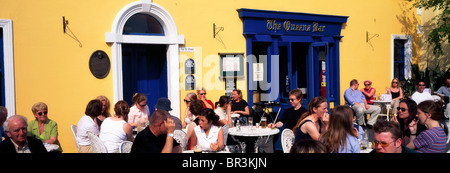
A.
pixel 397 94
pixel 188 116
pixel 43 128
pixel 139 112
pixel 407 111
pixel 201 94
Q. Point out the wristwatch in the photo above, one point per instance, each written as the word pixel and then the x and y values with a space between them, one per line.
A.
pixel 170 134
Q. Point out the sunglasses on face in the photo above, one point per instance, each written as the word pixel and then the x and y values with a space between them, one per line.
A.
pixel 383 144
pixel 143 105
pixel 42 113
pixel 394 82
pixel 366 84
pixel 399 108
pixel 421 85
pixel 202 94
pixel 187 101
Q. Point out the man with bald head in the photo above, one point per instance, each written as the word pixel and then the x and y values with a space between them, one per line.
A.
pixel 18 141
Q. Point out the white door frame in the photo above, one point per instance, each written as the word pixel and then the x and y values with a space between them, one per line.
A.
pixel 171 39
pixel 8 62
pixel 408 54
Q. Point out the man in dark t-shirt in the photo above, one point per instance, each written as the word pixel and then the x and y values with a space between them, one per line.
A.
pixel 158 136
pixel 292 114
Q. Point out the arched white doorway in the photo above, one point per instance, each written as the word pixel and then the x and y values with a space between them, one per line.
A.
pixel 170 38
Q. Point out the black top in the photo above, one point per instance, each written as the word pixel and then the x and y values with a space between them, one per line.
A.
pixel 34 144
pixel 395 94
pixel 147 142
pixel 291 116
pixel 238 106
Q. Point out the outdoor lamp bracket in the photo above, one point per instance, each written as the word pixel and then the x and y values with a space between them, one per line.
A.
pixel 216 30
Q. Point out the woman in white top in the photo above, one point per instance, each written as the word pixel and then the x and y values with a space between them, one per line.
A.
pixel 224 110
pixel 139 112
pixel 224 113
pixel 88 123
pixel 208 133
pixel 115 130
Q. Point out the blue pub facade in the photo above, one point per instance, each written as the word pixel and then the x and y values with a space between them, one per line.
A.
pixel 287 50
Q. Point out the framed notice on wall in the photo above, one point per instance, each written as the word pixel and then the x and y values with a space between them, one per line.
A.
pixel 231 65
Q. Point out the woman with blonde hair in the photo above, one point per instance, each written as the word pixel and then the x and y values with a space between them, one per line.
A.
pixel 341 136
pixel 397 94
pixel 188 116
pixel 42 127
pixel 201 94
pixel 105 109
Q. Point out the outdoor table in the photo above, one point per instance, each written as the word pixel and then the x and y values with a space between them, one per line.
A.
pixel 252 132
pixel 384 104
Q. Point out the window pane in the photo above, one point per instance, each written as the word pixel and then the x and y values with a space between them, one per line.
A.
pixel 142 24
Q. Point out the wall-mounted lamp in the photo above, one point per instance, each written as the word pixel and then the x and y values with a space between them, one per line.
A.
pixel 65 23
pixel 70 33
pixel 370 36
pixel 216 30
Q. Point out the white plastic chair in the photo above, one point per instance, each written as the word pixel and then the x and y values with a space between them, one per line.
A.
pixel 287 140
pixel 74 132
pixel 125 147
pixel 96 144
pixel 181 137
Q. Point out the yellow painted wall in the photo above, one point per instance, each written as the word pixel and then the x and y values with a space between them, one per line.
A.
pixel 50 66
pixel 427 57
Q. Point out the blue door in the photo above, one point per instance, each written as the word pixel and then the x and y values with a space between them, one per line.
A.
pixel 144 70
pixel 2 71
pixel 318 79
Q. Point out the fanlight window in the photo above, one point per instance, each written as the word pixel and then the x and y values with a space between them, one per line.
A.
pixel 142 24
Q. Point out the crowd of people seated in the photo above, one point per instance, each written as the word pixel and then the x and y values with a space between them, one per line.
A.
pixel 415 127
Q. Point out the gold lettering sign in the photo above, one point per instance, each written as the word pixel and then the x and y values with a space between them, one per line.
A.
pixel 288 26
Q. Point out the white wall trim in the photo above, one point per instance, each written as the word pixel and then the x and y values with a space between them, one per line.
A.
pixel 171 39
pixel 408 54
pixel 8 62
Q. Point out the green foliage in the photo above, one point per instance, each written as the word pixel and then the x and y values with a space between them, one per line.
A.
pixel 442 31
pixel 433 78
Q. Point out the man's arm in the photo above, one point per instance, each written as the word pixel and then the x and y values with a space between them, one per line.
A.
pixel 170 126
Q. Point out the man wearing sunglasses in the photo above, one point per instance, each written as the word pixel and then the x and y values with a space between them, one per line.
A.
pixel 420 95
pixel 388 138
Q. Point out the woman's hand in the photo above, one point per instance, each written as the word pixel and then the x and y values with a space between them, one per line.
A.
pixel 413 126
pixel 214 146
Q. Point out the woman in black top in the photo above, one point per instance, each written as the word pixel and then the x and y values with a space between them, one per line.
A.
pixel 239 106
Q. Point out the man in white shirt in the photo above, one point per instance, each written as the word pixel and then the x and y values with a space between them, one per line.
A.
pixel 420 96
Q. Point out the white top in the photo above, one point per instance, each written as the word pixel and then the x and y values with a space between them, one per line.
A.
pixel 252 131
pixel 112 134
pixel 205 141
pixel 222 113
pixel 135 114
pixel 420 97
pixel 84 125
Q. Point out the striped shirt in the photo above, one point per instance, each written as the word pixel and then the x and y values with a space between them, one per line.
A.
pixel 433 140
